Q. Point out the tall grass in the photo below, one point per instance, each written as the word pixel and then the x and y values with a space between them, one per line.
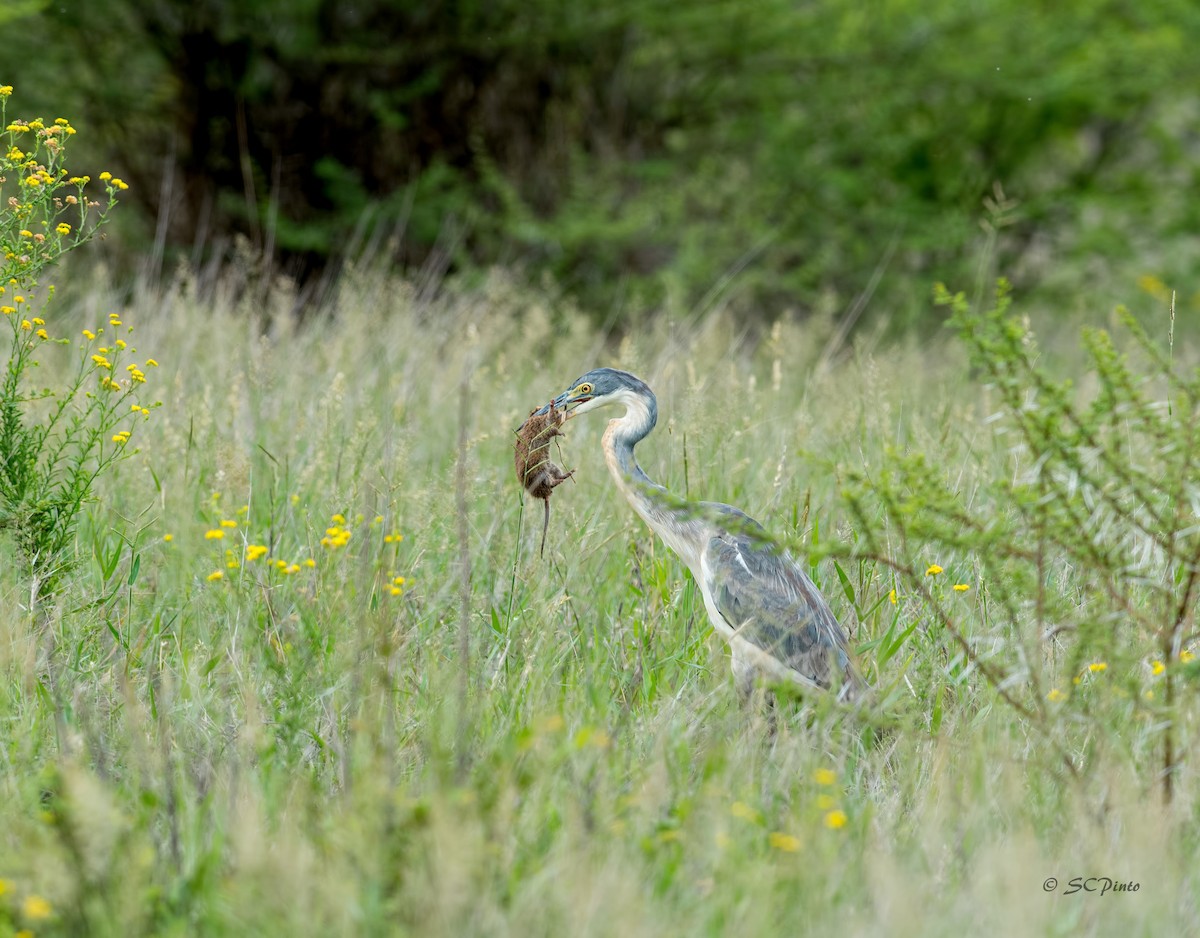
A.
pixel 322 749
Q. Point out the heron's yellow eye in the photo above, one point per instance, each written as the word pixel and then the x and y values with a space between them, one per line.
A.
pixel 584 388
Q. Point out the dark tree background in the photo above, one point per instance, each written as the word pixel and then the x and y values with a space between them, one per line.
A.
pixel 644 152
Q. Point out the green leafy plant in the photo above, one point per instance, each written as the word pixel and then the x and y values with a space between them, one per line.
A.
pixel 1070 538
pixel 54 442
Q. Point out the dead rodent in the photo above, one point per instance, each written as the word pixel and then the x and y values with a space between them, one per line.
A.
pixel 535 471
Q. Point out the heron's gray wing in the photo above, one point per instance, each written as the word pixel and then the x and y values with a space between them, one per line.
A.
pixel 767 600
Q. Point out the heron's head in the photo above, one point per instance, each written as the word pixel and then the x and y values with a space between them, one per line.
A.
pixel 604 386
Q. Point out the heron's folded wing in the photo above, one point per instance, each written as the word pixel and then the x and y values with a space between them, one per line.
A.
pixel 769 601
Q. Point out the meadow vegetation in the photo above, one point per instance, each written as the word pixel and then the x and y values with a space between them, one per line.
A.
pixel 269 698
pixel 283 658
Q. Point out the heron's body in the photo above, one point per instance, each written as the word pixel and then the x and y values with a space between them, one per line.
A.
pixel 757 597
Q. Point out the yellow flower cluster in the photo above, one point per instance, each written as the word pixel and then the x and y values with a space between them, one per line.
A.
pixel 112 181
pixel 252 553
pixel 396 586
pixel 337 535
pixel 121 438
pixel 835 818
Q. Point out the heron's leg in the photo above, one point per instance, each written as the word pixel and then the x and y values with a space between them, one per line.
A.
pixel 745 679
pixel 744 673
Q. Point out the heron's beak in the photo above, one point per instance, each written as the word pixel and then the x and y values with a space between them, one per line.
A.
pixel 565 402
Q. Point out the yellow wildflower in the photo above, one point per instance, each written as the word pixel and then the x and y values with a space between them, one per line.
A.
pixel 228 523
pixel 8 310
pixel 63 228
pixel 215 575
pixel 88 334
pixel 309 562
pixel 1157 668
pixel 1097 666
pixel 42 334
pixel 933 570
pixel 213 535
pixel 5 91
pixel 36 908
pixel 892 597
pixel 961 587
pixel 168 538
pixel 26 325
pixel 788 843
pixel 740 809
pixel 825 776
pixel 835 819
pixel 1055 695
pixel 151 363
pixel 338 519
pixel 105 176
pixel 255 551
pixel 336 536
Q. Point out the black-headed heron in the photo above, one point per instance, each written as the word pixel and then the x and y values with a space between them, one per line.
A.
pixel 758 598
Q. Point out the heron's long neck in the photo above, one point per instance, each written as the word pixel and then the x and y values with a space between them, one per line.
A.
pixel 639 489
pixel 622 435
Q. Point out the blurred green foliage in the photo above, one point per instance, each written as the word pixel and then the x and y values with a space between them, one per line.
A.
pixel 644 151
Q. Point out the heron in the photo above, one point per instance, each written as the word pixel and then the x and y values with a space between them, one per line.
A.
pixel 778 626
